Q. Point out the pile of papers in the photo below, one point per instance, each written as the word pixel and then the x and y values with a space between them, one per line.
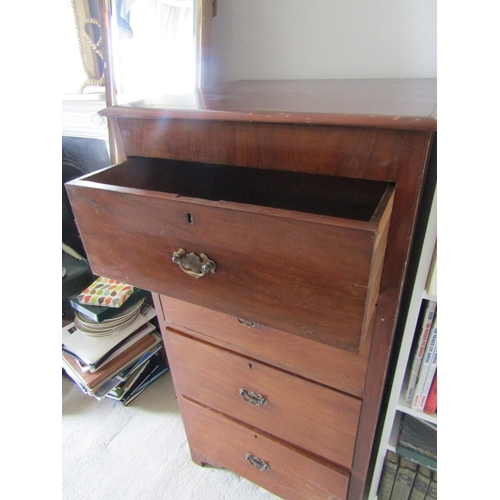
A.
pixel 116 358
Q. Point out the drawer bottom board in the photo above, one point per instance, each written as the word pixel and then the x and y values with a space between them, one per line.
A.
pixel 265 461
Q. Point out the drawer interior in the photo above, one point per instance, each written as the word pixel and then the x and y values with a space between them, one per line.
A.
pixel 357 199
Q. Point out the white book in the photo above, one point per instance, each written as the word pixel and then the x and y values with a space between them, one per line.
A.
pixel 428 381
pixel 426 366
pixel 430 312
pixel 91 349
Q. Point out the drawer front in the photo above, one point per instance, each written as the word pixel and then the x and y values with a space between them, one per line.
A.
pixel 259 458
pixel 306 274
pixel 327 365
pixel 313 417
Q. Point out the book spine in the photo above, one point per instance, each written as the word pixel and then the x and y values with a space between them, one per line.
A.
pixel 432 490
pixel 418 449
pixel 428 380
pixel 404 480
pixel 431 403
pixel 421 483
pixel 422 342
pixel 389 471
pixel 425 366
pixel 416 457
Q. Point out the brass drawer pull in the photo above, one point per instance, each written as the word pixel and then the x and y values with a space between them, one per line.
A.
pixel 247 323
pixel 253 397
pixel 257 462
pixel 192 264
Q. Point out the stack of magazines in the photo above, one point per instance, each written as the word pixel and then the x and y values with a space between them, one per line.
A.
pixel 117 357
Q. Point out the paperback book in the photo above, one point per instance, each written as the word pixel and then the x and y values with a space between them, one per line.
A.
pixel 428 318
pixel 427 370
pixel 431 403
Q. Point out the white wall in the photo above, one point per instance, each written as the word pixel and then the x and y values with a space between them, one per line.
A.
pixel 293 39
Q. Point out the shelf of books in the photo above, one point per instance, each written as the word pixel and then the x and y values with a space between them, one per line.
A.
pixel 406 462
pixel 112 349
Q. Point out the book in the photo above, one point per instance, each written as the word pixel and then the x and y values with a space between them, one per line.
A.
pixel 155 369
pixel 405 477
pixel 159 371
pixel 418 435
pixel 389 470
pixel 421 483
pixel 417 441
pixel 425 366
pixel 416 457
pixel 105 292
pixel 428 380
pixel 101 313
pixel 123 387
pixel 428 318
pixel 95 350
pixel 141 377
pixel 90 383
pixel 432 490
pixel 431 403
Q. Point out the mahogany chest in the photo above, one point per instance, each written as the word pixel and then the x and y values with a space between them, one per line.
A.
pixel 274 223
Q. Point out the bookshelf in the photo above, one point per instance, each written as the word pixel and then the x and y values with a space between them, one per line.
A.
pixel 397 406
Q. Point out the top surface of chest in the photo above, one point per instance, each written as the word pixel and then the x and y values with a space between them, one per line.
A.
pixel 390 103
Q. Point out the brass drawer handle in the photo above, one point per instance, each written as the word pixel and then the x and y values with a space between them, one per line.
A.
pixel 247 323
pixel 257 462
pixel 253 397
pixel 192 264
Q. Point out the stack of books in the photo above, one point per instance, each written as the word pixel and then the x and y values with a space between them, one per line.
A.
pixel 421 392
pixel 113 351
pixel 403 479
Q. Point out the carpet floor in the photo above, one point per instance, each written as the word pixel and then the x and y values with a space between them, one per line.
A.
pixel 138 452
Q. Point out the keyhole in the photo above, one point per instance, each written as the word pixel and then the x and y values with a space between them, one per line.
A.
pixel 189 218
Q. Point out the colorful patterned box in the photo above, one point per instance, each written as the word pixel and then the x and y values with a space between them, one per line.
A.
pixel 106 292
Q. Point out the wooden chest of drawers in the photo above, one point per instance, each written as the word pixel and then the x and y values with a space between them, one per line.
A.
pixel 275 221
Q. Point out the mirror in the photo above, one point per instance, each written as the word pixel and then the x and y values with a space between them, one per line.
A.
pixel 143 48
pixel 153 48
pixel 156 47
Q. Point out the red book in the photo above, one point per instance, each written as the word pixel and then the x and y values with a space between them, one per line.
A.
pixel 431 403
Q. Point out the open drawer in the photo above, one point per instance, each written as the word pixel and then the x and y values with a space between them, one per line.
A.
pixel 301 253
